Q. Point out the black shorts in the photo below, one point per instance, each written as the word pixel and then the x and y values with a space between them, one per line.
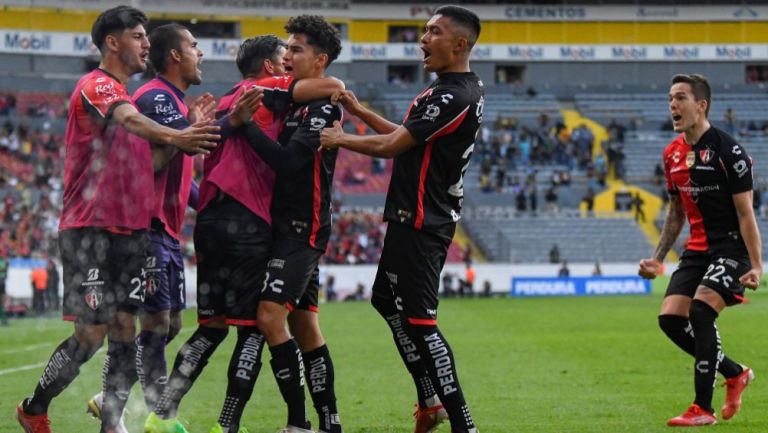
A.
pixel 291 269
pixel 309 300
pixel 409 272
pixel 718 271
pixel 103 273
pixel 232 246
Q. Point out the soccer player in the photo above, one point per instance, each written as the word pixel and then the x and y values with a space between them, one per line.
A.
pixel 105 217
pixel 175 56
pixel 233 239
pixel 709 179
pixel 301 224
pixel 431 149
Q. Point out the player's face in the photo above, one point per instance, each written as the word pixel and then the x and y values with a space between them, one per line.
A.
pixel 133 48
pixel 685 111
pixel 277 62
pixel 300 59
pixel 191 58
pixel 438 43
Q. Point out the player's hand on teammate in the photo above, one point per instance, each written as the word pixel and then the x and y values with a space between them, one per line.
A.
pixel 348 100
pixel 201 137
pixel 329 137
pixel 751 279
pixel 649 268
pixel 246 105
pixel 202 109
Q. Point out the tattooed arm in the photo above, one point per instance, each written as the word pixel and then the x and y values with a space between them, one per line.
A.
pixel 673 224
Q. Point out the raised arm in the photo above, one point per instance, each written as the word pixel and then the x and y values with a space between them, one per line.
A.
pixel 354 107
pixel 380 146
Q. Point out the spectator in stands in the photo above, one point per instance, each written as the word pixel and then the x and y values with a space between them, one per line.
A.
pixel 521 202
pixel 637 205
pixel 486 293
pixel 616 131
pixel 729 121
pixel 39 280
pixel 359 294
pixel 551 199
pixel 564 272
pixel 589 200
pixel 330 288
pixel 533 197
pixel 658 174
pixel 554 254
pixel 4 265
pixel 52 290
pixel 467 284
pixel 448 291
pixel 596 271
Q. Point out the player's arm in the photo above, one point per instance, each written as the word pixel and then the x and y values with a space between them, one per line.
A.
pixel 310 89
pixel 751 235
pixel 198 138
pixel 380 146
pixel 161 107
pixel 379 124
pixel 673 225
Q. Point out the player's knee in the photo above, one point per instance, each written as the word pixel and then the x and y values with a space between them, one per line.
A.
pixel 84 349
pixel 271 318
pixel 385 306
pixel 701 313
pixel 671 324
pixel 215 335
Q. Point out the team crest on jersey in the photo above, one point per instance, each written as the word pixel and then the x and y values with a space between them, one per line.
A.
pixel 93 298
pixel 706 155
pixel 690 159
pixel 152 285
pixel 431 113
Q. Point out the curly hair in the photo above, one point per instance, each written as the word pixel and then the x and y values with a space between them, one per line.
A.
pixel 322 35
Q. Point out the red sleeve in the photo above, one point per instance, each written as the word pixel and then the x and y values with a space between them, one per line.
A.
pixel 102 95
pixel 667 162
pixel 278 92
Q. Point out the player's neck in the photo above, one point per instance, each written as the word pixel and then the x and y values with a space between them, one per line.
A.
pixel 115 68
pixel 693 134
pixel 458 67
pixel 176 80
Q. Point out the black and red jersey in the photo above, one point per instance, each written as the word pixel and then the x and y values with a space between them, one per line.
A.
pixel 427 186
pixel 301 202
pixel 706 175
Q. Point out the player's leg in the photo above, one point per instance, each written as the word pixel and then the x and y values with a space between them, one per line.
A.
pixel 250 254
pixel 417 289
pixel 81 265
pixel 673 317
pixel 429 411
pixel 304 324
pixel 127 257
pixel 193 356
pixel 288 273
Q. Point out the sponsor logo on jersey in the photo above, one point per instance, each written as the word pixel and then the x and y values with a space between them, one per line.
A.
pixel 276 263
pixel 316 123
pixel 676 157
pixel 690 159
pixel 431 113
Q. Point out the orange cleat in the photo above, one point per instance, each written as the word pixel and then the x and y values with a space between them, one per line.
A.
pixel 733 389
pixel 33 423
pixel 429 418
pixel 695 416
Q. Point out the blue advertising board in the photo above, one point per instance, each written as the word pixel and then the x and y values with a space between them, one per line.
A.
pixel 580 286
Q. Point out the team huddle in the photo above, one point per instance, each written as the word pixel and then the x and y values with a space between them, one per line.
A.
pixel 264 218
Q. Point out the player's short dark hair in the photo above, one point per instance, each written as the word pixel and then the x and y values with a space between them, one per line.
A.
pixel 699 87
pixel 163 39
pixel 464 18
pixel 115 20
pixel 253 52
pixel 322 35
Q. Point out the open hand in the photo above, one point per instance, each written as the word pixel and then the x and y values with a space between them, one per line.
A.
pixel 202 109
pixel 201 137
pixel 246 105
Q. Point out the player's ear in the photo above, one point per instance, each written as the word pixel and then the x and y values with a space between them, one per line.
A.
pixel 322 59
pixel 175 55
pixel 269 67
pixel 111 42
pixel 462 44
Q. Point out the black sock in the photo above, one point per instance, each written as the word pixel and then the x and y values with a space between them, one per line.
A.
pixel 244 367
pixel 289 372
pixel 680 331
pixel 151 366
pixel 62 369
pixel 407 349
pixel 190 361
pixel 318 368
pixel 438 357
pixel 119 376
pixel 707 352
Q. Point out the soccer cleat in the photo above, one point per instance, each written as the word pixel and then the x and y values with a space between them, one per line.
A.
pixel 293 429
pixel 219 429
pixel 155 424
pixel 429 418
pixel 94 409
pixel 33 423
pixel 695 416
pixel 733 389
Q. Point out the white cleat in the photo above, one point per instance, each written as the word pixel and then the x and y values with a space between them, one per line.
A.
pixel 294 429
pixel 94 409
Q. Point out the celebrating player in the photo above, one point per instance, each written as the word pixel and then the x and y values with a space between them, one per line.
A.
pixel 301 223
pixel 709 179
pixel 431 149
pixel 105 216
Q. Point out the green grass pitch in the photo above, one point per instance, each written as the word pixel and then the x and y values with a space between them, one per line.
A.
pixel 550 365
